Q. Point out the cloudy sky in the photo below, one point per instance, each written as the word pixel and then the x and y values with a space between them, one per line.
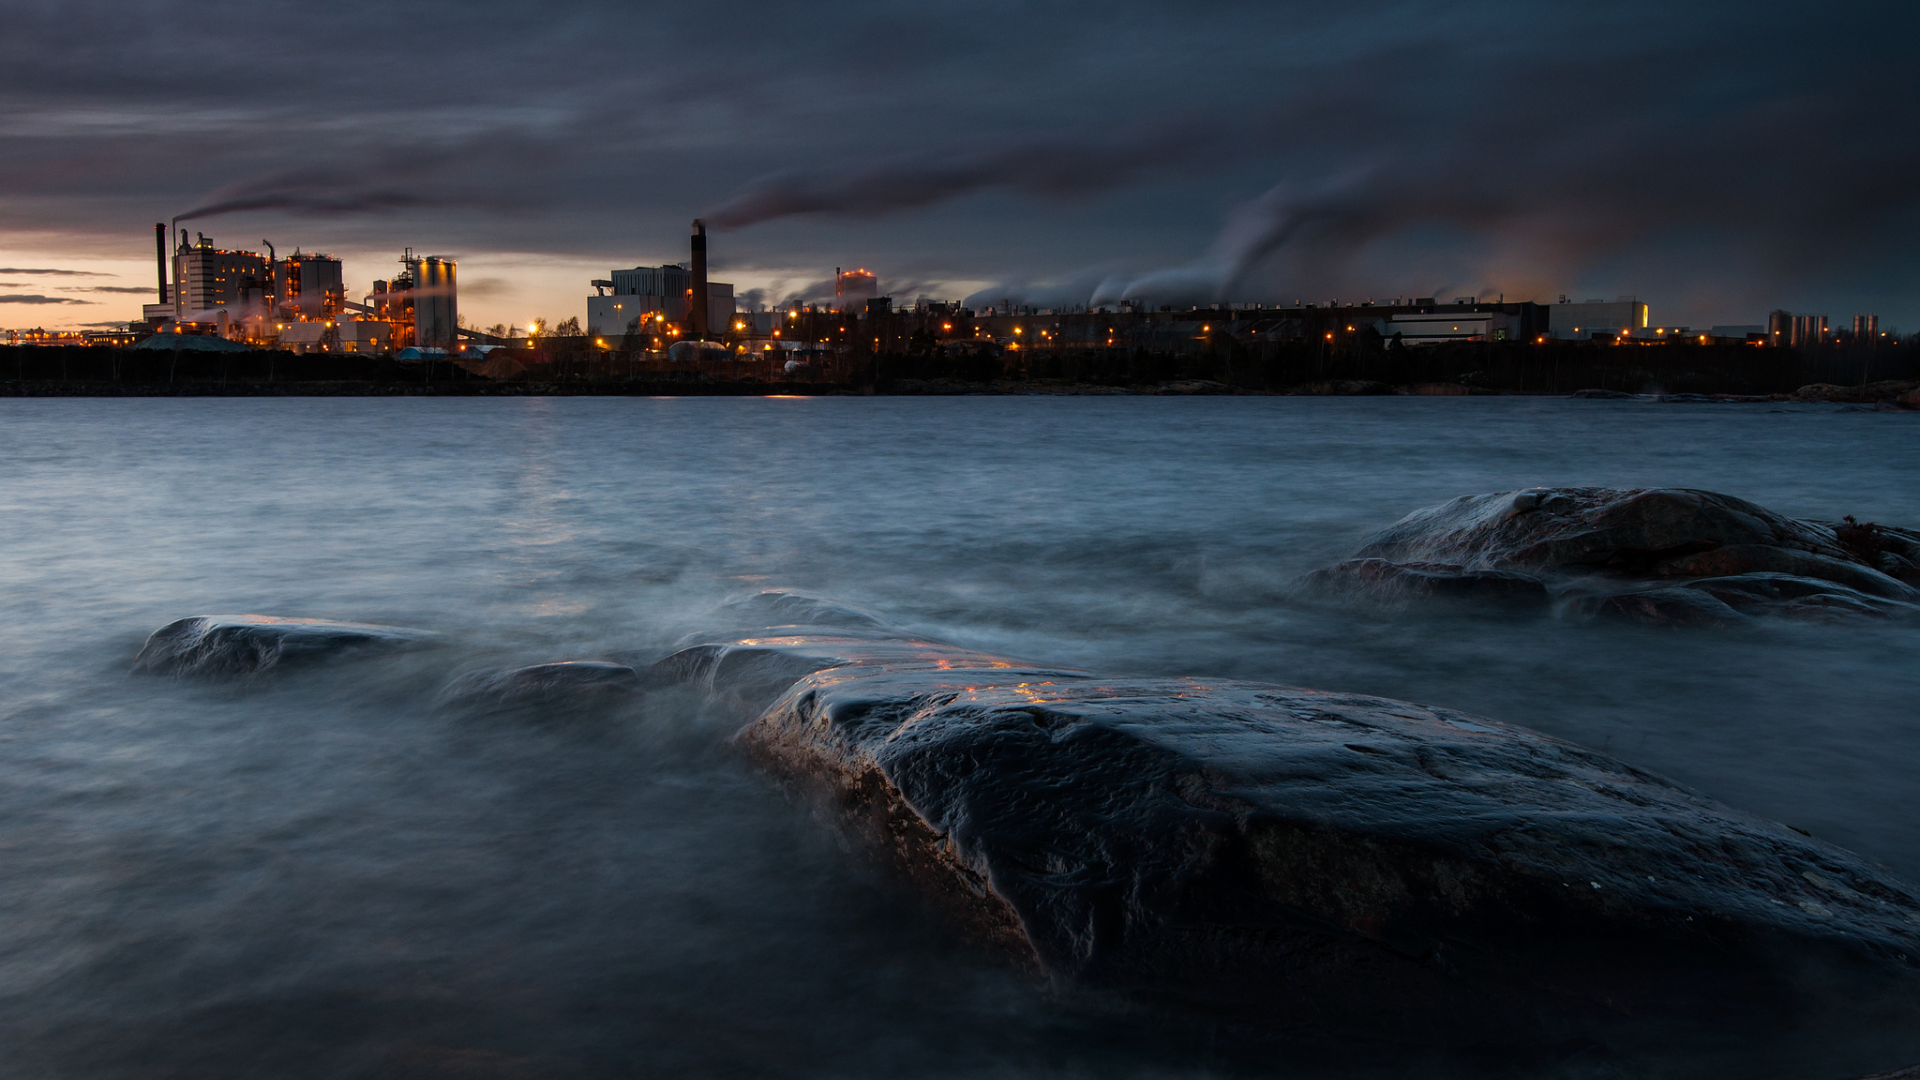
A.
pixel 1714 159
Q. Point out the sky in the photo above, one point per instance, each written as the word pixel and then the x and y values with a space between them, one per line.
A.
pixel 1715 160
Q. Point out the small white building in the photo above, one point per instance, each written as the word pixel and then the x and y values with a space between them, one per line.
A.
pixel 610 317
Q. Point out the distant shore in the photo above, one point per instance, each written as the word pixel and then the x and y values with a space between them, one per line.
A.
pixel 1890 394
pixel 1697 373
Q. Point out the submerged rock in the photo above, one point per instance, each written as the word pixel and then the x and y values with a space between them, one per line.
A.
pixel 215 645
pixel 1661 556
pixel 1391 586
pixel 567 682
pixel 1305 862
pixel 785 607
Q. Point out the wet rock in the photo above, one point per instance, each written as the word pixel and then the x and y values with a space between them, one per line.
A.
pixel 1644 556
pixel 1306 862
pixel 226 645
pixel 1587 529
pixel 572 682
pixel 1390 586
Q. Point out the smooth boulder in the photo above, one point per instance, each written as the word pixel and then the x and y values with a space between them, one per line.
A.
pixel 1304 862
pixel 228 645
pixel 1662 556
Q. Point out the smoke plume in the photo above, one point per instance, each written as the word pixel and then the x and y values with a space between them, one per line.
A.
pixel 1052 168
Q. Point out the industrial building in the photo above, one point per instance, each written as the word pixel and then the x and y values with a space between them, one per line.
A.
pixel 1432 328
pixel 206 278
pixel 299 301
pixel 342 335
pixel 629 301
pixel 1587 319
pixel 312 286
pixel 853 288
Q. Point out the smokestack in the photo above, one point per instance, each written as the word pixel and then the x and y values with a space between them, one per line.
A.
pixel 697 313
pixel 160 255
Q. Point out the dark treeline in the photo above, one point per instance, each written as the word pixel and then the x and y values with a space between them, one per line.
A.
pixel 924 364
pixel 79 370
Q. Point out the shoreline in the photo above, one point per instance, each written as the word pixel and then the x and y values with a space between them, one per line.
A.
pixel 1896 395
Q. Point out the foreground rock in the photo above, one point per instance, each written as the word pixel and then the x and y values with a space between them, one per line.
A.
pixel 1304 862
pixel 225 645
pixel 1661 555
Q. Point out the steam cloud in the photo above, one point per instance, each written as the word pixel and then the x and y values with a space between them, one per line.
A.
pixel 1052 168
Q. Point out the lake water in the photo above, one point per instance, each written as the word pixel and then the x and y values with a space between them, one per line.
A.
pixel 316 875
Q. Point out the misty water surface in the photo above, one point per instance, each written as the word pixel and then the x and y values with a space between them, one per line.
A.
pixel 316 875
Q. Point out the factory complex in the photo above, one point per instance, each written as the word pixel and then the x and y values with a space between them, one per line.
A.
pixel 213 297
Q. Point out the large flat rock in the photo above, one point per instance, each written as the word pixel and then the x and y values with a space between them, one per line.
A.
pixel 1302 861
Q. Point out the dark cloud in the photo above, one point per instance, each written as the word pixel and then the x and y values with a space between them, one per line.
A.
pixel 33 298
pixel 61 273
pixel 112 288
pixel 1718 158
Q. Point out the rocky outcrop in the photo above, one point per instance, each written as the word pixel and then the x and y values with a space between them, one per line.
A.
pixel 1662 555
pixel 1305 862
pixel 227 645
pixel 568 682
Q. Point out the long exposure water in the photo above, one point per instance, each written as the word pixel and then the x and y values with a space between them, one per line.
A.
pixel 318 875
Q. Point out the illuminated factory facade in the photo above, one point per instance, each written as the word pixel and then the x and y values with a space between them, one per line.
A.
pixel 300 302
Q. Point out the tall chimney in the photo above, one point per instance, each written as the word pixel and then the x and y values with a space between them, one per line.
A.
pixel 160 255
pixel 697 310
